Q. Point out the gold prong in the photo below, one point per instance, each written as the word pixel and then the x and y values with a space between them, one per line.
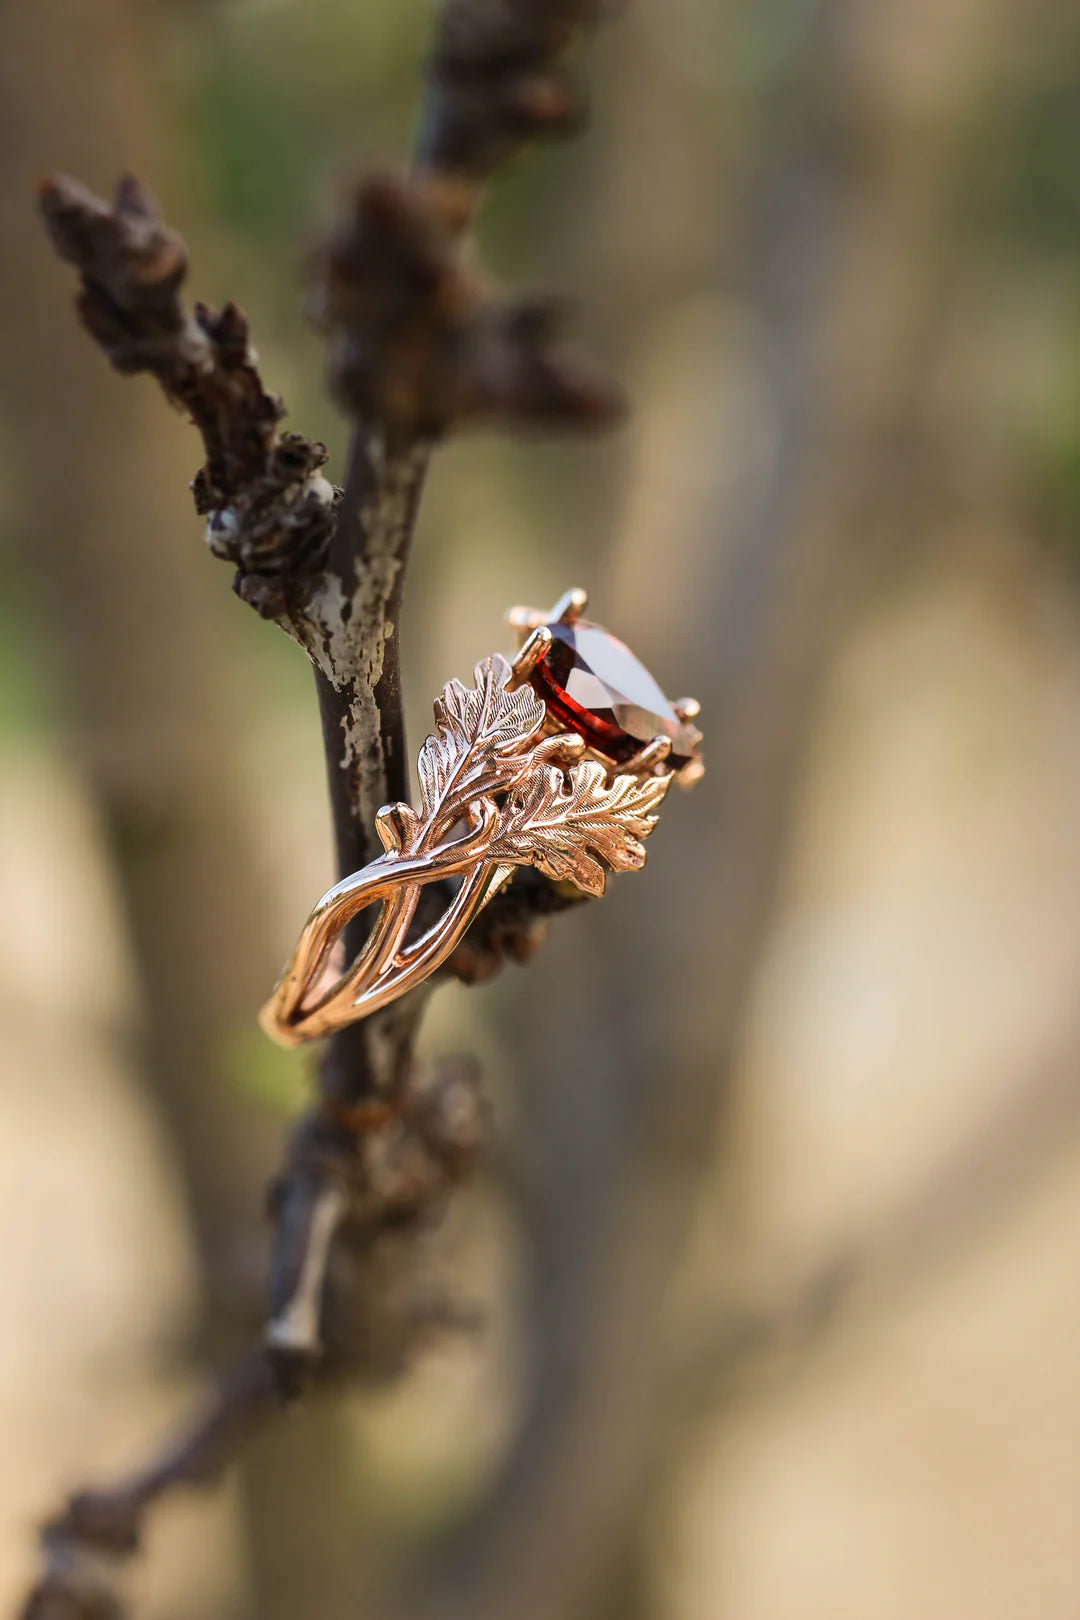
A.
pixel 565 748
pixel 647 758
pixel 569 608
pixel 391 824
pixel 687 708
pixel 533 650
pixel 524 620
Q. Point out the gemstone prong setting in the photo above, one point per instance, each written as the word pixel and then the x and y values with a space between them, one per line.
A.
pixel 592 683
pixel 570 606
pixel 652 755
pixel 533 649
pixel 557 761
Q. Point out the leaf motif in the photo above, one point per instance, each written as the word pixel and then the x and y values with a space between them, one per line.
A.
pixel 479 742
pixel 581 831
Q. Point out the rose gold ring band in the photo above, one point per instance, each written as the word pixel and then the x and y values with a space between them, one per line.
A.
pixel 557 760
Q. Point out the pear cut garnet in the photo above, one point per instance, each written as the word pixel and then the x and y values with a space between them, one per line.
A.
pixel 593 684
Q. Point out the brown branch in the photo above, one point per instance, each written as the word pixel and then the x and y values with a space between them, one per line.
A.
pixel 417 345
pixel 367 1326
pixel 87 1545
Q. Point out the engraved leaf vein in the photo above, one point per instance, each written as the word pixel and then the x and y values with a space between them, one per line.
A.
pixel 578 831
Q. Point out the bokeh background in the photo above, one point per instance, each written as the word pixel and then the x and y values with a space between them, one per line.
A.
pixel 774 1255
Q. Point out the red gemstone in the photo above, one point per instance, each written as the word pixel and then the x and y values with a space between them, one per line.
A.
pixel 593 684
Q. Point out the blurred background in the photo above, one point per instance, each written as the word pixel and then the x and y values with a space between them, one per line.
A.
pixel 775 1250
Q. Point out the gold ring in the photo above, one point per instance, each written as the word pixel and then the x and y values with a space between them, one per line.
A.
pixel 558 760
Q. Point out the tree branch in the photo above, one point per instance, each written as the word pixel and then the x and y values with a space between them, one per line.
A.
pixel 417 345
pixel 350 1292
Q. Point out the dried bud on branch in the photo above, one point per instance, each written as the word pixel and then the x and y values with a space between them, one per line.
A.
pixel 514 925
pixel 269 510
pixel 417 342
pixel 497 79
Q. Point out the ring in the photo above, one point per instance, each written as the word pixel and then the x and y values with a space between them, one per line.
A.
pixel 557 760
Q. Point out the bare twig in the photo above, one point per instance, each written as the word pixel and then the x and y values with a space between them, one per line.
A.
pixel 269 510
pixel 87 1545
pixel 407 1174
pixel 351 1295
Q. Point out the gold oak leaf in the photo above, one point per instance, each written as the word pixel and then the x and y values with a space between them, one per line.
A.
pixel 581 830
pixel 478 746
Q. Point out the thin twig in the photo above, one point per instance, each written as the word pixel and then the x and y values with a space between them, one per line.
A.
pixel 371 1327
pixel 86 1546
